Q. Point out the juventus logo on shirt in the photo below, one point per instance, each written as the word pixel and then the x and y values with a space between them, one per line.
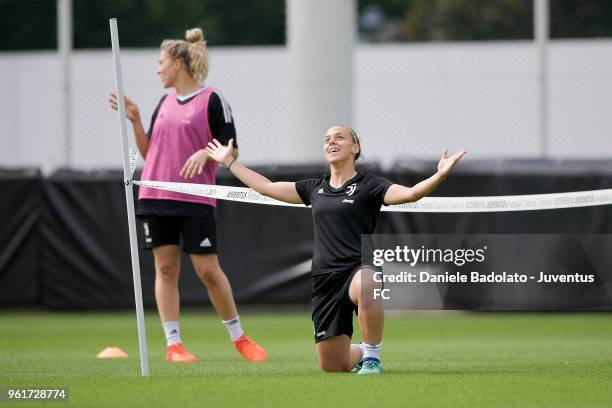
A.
pixel 351 189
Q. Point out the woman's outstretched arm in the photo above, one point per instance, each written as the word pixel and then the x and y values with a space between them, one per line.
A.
pixel 398 194
pixel 283 191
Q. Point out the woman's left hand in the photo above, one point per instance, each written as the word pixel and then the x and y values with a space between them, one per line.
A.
pixel 447 163
pixel 195 164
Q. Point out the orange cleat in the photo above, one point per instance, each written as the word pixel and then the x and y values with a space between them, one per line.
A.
pixel 178 354
pixel 250 350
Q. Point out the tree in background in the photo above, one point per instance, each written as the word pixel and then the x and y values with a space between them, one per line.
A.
pixel 31 24
pixel 28 25
pixel 478 20
pixel 142 23
pixel 473 20
pixel 580 18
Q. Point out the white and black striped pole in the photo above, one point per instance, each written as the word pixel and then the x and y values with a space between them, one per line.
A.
pixel 128 162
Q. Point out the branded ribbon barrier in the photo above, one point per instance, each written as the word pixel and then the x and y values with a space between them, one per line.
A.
pixel 427 204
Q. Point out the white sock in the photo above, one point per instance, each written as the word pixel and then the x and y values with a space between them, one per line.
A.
pixel 172 332
pixel 360 345
pixel 371 351
pixel 233 327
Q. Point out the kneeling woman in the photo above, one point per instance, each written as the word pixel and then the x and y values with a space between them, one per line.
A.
pixel 345 205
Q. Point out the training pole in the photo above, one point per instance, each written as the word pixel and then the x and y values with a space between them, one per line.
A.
pixel 129 199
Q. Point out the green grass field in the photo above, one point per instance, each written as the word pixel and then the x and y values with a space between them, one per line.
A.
pixel 444 360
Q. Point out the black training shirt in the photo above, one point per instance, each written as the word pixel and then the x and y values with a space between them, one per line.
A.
pixel 340 216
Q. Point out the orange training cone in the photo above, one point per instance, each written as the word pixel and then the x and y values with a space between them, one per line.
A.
pixel 112 352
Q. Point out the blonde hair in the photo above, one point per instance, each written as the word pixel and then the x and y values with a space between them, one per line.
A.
pixel 355 140
pixel 192 53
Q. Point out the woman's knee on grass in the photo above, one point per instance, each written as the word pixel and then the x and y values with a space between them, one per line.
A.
pixel 334 365
pixel 334 354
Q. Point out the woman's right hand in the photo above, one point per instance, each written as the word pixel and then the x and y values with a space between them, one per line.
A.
pixel 131 109
pixel 219 153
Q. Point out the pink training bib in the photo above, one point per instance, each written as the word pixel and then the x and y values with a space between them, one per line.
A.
pixel 178 132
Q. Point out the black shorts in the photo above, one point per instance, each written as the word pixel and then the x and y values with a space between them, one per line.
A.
pixel 332 307
pixel 196 235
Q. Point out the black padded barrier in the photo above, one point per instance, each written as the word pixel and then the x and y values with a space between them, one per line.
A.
pixel 65 241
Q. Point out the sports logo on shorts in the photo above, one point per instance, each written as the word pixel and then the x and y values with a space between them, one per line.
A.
pixel 148 239
pixel 351 189
pixel 205 243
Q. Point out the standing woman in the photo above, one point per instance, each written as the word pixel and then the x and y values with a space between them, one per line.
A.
pixel 345 205
pixel 184 122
